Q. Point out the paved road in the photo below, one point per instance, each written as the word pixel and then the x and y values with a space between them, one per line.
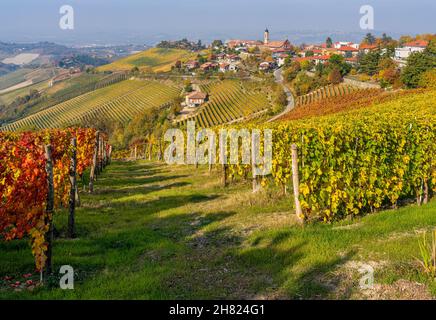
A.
pixel 278 74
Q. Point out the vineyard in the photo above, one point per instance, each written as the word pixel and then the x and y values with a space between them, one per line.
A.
pixel 325 93
pixel 229 101
pixel 120 101
pixel 38 174
pixel 354 100
pixel 358 161
pixel 153 60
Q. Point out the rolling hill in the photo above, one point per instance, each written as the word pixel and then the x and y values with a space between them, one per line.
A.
pixel 152 60
pixel 230 101
pixel 120 102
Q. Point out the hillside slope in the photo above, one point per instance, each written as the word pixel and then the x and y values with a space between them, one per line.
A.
pixel 120 102
pixel 152 60
pixel 230 101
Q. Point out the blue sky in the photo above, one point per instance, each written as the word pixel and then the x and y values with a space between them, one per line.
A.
pixel 148 21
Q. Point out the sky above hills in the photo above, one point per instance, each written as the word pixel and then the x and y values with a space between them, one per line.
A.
pixel 149 21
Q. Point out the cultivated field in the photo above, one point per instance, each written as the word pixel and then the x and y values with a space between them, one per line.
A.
pixel 325 93
pixel 152 60
pixel 118 102
pixel 230 101
pixel 25 77
pixel 342 103
pixel 22 58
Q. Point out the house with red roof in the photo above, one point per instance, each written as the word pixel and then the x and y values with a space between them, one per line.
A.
pixel 348 51
pixel 195 99
pixel 191 65
pixel 316 59
pixel 367 48
pixel 208 66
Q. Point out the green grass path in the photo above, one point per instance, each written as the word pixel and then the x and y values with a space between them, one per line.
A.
pixel 153 231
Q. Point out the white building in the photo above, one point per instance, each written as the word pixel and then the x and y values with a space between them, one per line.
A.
pixel 338 45
pixel 401 54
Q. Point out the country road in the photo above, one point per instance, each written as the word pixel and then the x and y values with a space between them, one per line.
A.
pixel 278 74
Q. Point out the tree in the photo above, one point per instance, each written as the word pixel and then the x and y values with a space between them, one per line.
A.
pixel 417 64
pixel 188 85
pixel 428 79
pixel 309 53
pixel 405 39
pixel 369 39
pixel 306 65
pixel 292 71
pixel 302 83
pixel 135 70
pixel 281 99
pixel 335 76
pixel 386 63
pixel 329 42
pixel 217 44
pixel 201 59
pixel 369 63
pixel 337 61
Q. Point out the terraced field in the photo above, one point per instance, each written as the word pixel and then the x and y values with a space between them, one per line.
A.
pixel 324 93
pixel 117 102
pixel 229 101
pixel 152 60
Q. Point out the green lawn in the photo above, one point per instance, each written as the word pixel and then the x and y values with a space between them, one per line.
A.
pixel 153 231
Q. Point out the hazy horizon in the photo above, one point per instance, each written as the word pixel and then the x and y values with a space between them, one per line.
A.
pixel 147 22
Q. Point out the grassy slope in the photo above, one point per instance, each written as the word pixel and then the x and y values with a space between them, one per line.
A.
pixel 154 60
pixel 8 97
pixel 14 78
pixel 154 231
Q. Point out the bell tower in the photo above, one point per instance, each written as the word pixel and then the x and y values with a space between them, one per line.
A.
pixel 266 37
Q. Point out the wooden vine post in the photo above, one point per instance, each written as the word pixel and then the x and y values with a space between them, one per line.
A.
pixel 49 209
pixel 73 188
pixel 93 172
pixel 296 183
pixel 110 155
pixel 100 158
pixel 224 172
pixel 105 161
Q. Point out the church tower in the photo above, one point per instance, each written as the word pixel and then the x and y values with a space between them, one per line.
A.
pixel 266 37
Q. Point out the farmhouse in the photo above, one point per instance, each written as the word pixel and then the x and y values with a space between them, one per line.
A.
pixel 196 99
pixel 265 66
pixel 191 65
pixel 208 66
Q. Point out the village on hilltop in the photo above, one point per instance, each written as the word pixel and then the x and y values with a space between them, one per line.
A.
pixel 247 58
pixel 271 54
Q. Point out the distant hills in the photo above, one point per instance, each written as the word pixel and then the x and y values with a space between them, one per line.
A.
pixel 7 68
